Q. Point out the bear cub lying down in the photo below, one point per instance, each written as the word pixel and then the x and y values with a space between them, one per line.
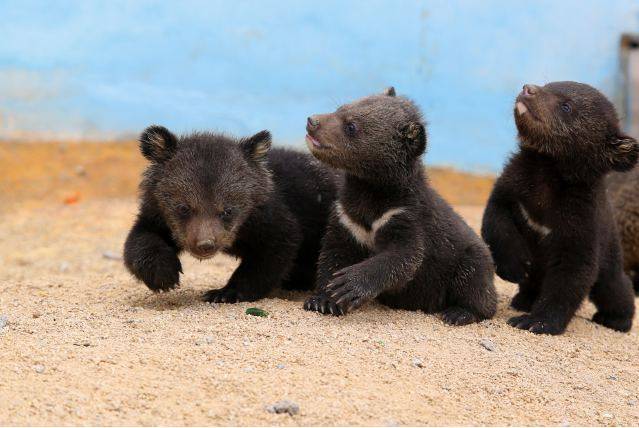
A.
pixel 390 236
pixel 548 221
pixel 206 192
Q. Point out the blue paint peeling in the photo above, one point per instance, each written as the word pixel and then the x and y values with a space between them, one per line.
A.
pixel 97 69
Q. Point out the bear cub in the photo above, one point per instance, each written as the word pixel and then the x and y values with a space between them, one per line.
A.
pixel 390 236
pixel 623 189
pixel 548 222
pixel 207 192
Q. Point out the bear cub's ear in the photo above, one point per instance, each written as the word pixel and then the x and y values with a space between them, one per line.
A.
pixel 256 147
pixel 414 135
pixel 157 144
pixel 625 153
pixel 390 91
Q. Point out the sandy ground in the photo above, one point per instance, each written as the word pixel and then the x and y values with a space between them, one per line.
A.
pixel 86 344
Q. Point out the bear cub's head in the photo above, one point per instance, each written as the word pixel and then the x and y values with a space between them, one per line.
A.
pixel 575 123
pixel 205 184
pixel 370 137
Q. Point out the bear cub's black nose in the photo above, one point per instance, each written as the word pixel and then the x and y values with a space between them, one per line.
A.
pixel 529 90
pixel 312 122
pixel 206 246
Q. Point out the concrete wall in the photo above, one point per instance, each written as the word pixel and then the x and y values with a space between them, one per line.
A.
pixel 89 69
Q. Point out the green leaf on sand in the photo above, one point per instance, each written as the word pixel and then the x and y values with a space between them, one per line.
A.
pixel 256 312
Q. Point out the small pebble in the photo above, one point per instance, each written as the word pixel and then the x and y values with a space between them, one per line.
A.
pixel 418 363
pixel 632 402
pixel 612 377
pixel 607 415
pixel 39 368
pixel 64 267
pixel 111 255
pixel 204 341
pixel 488 344
pixel 280 366
pixel 284 406
pixel 36 314
pixel 4 320
pixel 80 171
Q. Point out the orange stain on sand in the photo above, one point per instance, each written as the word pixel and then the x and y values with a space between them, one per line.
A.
pixel 68 172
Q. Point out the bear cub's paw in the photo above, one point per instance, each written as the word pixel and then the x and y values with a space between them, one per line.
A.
pixel 537 324
pixel 164 274
pixel 623 324
pixel 323 304
pixel 349 289
pixel 458 316
pixel 227 295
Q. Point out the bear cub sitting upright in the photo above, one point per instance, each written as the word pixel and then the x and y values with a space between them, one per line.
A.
pixel 548 221
pixel 206 192
pixel 390 236
pixel 623 190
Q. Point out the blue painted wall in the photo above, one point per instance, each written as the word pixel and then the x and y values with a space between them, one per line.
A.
pixel 89 69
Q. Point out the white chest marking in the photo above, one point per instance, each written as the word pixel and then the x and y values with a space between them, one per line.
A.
pixel 539 228
pixel 362 235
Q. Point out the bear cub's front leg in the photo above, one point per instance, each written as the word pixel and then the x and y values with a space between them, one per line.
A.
pixel 152 260
pixel 265 263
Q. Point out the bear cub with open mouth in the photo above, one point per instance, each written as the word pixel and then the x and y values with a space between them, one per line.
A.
pixel 390 236
pixel 548 222
pixel 206 192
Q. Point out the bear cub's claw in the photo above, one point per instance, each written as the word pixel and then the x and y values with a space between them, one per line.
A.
pixel 322 304
pixel 349 289
pixel 224 295
pixel 537 324
pixel 458 316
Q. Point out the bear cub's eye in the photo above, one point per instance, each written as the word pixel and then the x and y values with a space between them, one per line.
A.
pixel 565 107
pixel 227 214
pixel 183 210
pixel 351 129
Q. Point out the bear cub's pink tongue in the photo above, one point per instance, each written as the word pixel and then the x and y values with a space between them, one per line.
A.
pixel 313 141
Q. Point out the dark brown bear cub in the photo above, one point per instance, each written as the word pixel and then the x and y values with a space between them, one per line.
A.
pixel 548 222
pixel 623 190
pixel 206 192
pixel 390 236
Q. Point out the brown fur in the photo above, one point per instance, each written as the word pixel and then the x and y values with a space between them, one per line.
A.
pixel 391 237
pixel 623 191
pixel 548 222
